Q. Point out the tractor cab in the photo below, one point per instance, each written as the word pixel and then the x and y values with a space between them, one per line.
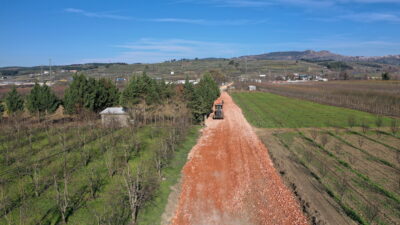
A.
pixel 218 113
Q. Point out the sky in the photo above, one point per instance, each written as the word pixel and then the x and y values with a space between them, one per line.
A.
pixel 148 31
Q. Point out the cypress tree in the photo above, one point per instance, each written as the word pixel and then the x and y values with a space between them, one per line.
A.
pixel 14 101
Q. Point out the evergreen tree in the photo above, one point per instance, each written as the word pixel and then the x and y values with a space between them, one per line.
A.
pixel 42 100
pixel 74 95
pixel 201 97
pixel 14 101
pixel 142 89
pixel 1 109
pixel 89 93
pixel 385 76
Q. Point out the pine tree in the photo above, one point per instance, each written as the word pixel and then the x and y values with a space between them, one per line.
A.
pixel 74 95
pixel 89 93
pixel 14 101
pixel 42 100
pixel 142 89
pixel 385 76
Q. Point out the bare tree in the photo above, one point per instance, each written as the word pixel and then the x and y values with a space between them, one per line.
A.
pixel 139 186
pixel 110 162
pixel 352 159
pixel 94 183
pixel 338 147
pixel 360 141
pixel 134 189
pixel 372 211
pixel 324 140
pixel 343 186
pixel 379 122
pixel 62 198
pixel 364 126
pixel 324 169
pixel 394 126
pixel 351 121
pixel 314 134
pixel 36 178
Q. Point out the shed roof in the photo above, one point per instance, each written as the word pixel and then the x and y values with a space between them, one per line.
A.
pixel 114 110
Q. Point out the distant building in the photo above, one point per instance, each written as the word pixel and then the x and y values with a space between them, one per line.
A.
pixel 115 116
pixel 263 75
pixel 252 88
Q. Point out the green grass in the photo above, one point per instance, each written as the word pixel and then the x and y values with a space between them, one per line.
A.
pixel 268 110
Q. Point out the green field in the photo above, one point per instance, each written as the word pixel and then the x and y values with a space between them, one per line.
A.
pixel 266 110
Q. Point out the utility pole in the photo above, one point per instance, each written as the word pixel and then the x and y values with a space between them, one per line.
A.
pixel 50 67
pixel 246 64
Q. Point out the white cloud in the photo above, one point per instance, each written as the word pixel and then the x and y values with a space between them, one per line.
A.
pixel 235 22
pixel 97 14
pixel 154 50
pixel 298 3
pixel 228 22
pixel 372 17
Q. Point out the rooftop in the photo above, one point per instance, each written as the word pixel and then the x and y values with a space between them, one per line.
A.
pixel 114 110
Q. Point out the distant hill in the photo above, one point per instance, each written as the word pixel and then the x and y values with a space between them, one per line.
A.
pixel 310 55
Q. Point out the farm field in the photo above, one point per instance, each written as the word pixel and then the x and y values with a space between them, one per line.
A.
pixel 273 111
pixel 77 171
pixel 378 97
pixel 341 174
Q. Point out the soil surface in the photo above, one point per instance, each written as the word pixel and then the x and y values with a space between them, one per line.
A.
pixel 319 207
pixel 230 178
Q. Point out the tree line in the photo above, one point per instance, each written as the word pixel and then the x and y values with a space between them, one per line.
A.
pixel 89 94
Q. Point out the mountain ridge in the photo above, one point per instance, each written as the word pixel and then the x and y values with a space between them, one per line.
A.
pixel 322 56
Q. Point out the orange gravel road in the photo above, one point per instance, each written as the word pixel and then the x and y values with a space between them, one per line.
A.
pixel 230 179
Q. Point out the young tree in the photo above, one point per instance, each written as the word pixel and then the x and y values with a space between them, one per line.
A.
pixel 139 186
pixel 14 101
pixel 394 126
pixel 324 139
pixel 364 126
pixel 351 121
pixel 42 100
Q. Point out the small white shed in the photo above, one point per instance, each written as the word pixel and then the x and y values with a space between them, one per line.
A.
pixel 115 116
pixel 252 88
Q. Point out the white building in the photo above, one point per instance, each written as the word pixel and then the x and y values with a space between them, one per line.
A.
pixel 115 116
pixel 252 88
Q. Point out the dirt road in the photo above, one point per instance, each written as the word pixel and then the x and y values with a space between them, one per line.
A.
pixel 230 179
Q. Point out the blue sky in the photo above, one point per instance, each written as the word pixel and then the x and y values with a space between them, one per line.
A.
pixel 152 31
